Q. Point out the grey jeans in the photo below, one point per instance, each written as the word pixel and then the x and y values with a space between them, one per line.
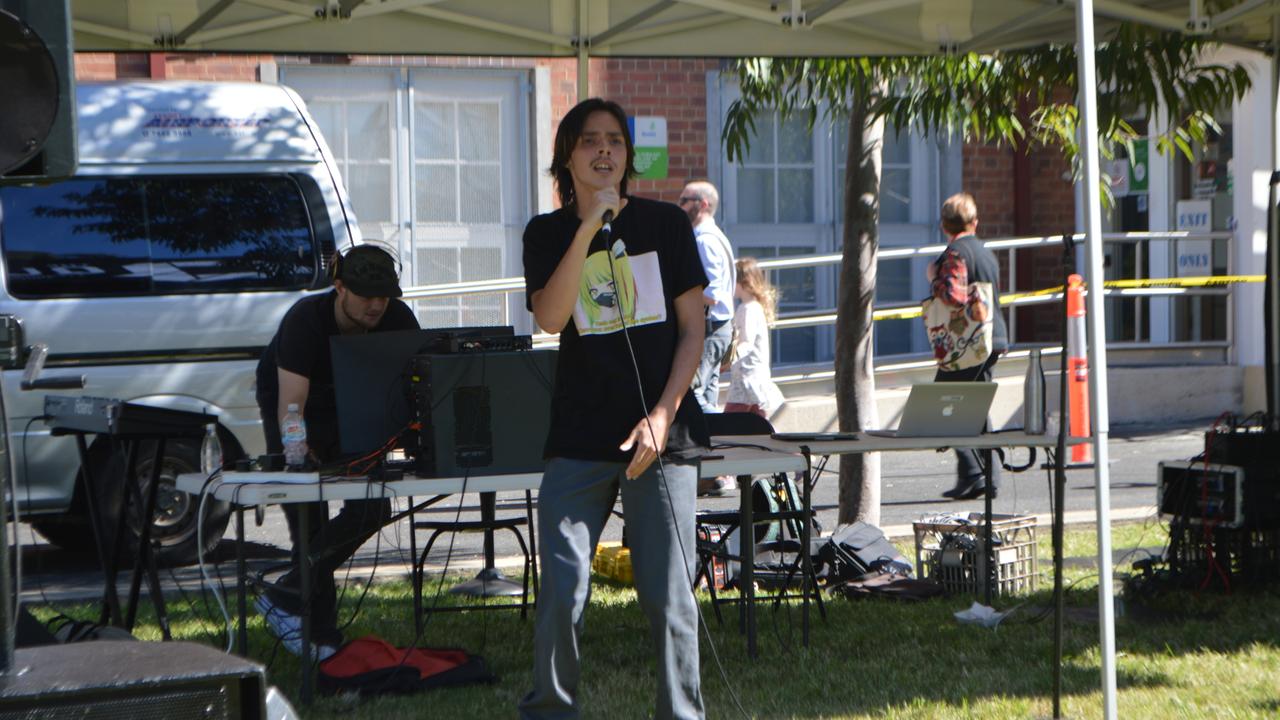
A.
pixel 706 382
pixel 969 462
pixel 573 504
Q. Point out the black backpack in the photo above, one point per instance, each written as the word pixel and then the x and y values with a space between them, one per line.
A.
pixel 855 550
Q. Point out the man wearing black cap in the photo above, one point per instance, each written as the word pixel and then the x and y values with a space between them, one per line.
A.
pixel 296 369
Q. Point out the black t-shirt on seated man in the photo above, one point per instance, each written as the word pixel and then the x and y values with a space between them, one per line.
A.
pixel 301 346
pixel 595 404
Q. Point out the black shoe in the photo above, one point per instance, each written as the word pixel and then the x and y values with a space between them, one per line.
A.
pixel 978 491
pixel 967 490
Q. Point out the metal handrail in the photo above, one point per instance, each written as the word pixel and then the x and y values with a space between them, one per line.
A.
pixel 813 318
pixel 516 284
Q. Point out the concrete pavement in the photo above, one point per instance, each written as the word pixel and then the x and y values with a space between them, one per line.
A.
pixel 912 487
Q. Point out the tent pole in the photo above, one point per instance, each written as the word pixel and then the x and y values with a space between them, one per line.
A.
pixel 1097 347
pixel 584 49
pixel 1272 297
pixel 1275 84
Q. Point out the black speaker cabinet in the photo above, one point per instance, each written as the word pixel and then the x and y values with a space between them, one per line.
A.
pixel 37 75
pixel 122 680
pixel 481 413
pixel 1258 452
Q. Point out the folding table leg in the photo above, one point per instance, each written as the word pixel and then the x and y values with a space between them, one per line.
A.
pixel 533 541
pixel 242 635
pixel 746 575
pixel 415 571
pixel 304 569
pixel 1059 603
pixel 806 559
pixel 992 567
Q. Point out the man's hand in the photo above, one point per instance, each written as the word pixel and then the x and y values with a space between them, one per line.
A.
pixel 648 445
pixel 603 200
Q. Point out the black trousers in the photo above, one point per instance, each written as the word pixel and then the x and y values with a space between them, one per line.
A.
pixel 332 543
pixel 969 462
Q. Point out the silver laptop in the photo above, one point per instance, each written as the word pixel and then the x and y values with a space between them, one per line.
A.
pixel 951 409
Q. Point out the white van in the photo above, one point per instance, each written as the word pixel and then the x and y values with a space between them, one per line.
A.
pixel 199 214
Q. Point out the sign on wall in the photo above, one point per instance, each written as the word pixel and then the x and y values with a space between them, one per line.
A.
pixel 650 137
pixel 1138 168
pixel 1194 257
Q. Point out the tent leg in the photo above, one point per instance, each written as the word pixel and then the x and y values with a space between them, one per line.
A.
pixel 584 79
pixel 1097 348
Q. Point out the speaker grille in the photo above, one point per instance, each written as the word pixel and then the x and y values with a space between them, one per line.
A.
pixel 197 703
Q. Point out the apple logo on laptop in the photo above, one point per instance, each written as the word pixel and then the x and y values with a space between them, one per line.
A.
pixel 948 410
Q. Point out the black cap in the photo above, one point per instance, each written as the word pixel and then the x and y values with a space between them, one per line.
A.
pixel 369 271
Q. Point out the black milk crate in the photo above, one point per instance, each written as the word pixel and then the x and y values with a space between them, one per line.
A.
pixel 1244 555
pixel 951 552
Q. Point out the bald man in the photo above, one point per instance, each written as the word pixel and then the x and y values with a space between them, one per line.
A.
pixel 699 200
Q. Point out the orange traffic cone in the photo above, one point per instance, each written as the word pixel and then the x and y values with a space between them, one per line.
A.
pixel 1077 370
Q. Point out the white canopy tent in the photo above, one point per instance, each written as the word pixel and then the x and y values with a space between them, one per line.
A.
pixel 706 28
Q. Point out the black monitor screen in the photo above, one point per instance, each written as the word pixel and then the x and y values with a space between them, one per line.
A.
pixel 370 374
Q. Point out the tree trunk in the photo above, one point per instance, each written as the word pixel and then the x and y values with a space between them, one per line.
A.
pixel 855 376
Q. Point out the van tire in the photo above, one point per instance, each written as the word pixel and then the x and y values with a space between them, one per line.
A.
pixel 70 531
pixel 174 526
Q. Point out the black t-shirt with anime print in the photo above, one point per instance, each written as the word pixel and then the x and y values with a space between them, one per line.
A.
pixel 654 258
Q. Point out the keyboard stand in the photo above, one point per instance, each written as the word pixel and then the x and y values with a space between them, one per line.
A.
pixel 111 541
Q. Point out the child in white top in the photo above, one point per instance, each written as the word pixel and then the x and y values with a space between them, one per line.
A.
pixel 752 388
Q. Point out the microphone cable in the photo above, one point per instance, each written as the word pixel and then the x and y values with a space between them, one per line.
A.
pixel 607 229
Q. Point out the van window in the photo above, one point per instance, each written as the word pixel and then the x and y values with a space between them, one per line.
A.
pixel 157 236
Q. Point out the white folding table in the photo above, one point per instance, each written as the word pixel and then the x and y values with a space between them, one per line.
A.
pixel 248 489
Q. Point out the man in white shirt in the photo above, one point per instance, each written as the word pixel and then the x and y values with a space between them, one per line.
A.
pixel 699 200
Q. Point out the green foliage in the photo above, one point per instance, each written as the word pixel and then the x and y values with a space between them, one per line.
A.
pixel 1005 97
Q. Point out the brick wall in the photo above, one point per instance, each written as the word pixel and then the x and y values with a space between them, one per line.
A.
pixel 666 87
pixel 988 176
pixel 1053 212
pixel 111 66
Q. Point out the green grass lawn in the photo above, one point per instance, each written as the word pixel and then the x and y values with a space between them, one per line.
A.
pixel 1205 655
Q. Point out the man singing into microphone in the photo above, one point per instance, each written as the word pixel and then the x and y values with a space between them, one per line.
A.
pixel 620 279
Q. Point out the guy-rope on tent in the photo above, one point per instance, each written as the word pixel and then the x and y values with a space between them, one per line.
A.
pixel 708 28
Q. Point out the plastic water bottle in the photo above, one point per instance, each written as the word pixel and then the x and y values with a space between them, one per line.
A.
pixel 293 432
pixel 211 451
pixel 1033 396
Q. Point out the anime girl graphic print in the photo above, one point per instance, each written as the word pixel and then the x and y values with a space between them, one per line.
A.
pixel 635 297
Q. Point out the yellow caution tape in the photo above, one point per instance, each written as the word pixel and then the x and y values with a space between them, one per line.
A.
pixel 1206 281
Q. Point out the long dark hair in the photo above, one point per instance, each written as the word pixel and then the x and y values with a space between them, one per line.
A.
pixel 567 140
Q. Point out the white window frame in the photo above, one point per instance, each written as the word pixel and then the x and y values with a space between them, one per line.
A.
pixel 825 234
pixel 526 143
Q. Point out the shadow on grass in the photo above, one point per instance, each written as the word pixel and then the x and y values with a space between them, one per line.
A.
pixel 865 657
pixel 1188 622
pixel 868 658
pixel 1271 707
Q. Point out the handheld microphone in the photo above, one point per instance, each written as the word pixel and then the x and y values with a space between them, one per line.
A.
pixel 607 218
